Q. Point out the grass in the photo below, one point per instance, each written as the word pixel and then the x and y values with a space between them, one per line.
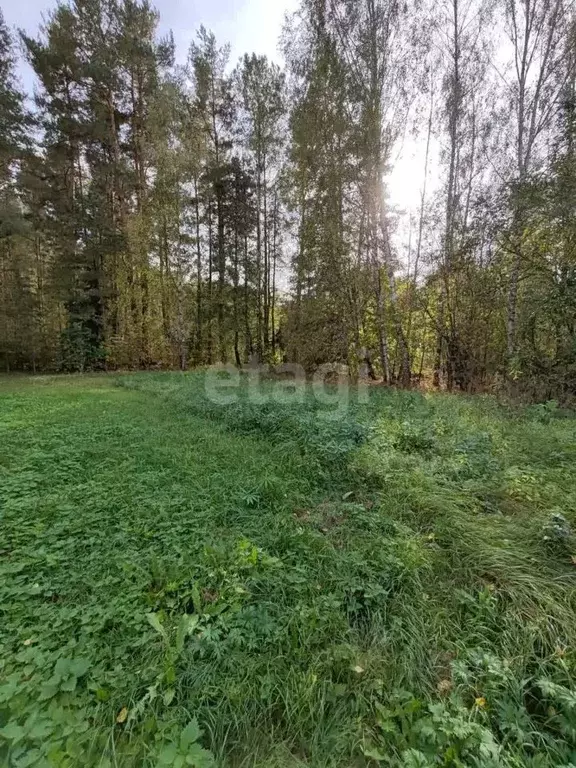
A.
pixel 183 583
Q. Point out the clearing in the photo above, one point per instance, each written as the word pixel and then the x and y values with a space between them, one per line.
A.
pixel 183 583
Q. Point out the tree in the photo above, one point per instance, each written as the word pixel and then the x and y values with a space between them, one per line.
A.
pixel 262 86
pixel 155 215
pixel 536 30
pixel 21 266
pixel 460 26
pixel 214 105
pixel 98 65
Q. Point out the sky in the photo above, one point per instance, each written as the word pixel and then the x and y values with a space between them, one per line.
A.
pixel 249 26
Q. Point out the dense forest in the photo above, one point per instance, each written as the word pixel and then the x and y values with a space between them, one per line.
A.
pixel 157 215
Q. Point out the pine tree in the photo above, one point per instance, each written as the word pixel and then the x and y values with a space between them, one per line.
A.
pixel 18 343
pixel 262 86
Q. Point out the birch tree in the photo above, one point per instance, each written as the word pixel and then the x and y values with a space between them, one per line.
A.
pixel 536 31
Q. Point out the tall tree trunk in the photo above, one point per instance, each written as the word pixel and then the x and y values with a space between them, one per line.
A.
pixel 236 279
pixel 210 263
pixel 221 280
pixel 405 374
pixel 266 286
pixel 381 325
pixel 414 285
pixel 259 328
pixel 199 289
pixel 248 334
pixel 274 262
pixel 438 356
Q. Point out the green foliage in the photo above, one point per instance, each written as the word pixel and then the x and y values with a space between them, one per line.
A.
pixel 557 532
pixel 413 438
pixel 190 584
pixel 441 734
pixel 322 438
pixel 77 350
pixel 159 218
pixel 544 412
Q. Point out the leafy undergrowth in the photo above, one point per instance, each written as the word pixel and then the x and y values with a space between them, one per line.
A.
pixel 183 583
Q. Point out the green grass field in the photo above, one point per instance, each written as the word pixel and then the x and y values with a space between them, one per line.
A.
pixel 183 583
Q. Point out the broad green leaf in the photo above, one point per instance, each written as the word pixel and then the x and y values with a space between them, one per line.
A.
pixel 373 753
pixel 79 667
pixel 168 697
pixel 12 732
pixel 190 734
pixel 155 623
pixel 186 626
pixel 168 755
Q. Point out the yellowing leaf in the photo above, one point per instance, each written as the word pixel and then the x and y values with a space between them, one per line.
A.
pixel 481 702
pixel 122 715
